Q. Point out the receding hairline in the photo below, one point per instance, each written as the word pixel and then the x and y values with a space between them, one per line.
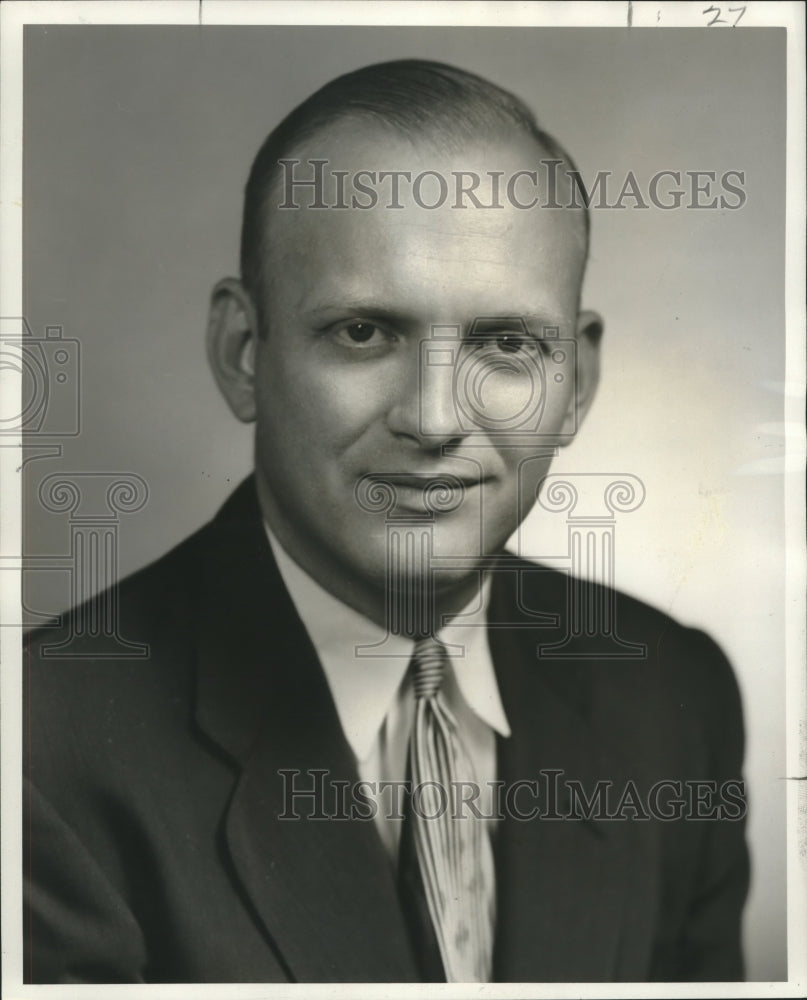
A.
pixel 426 135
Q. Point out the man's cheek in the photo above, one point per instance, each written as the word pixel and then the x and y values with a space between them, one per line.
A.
pixel 349 393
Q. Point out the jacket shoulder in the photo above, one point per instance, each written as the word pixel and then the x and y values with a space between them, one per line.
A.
pixel 117 621
pixel 585 629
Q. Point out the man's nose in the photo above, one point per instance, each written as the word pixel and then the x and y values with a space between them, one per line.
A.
pixel 426 409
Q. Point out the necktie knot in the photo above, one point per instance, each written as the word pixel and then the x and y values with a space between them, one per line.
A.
pixel 428 666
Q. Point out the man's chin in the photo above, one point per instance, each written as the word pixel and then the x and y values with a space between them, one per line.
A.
pixel 447 554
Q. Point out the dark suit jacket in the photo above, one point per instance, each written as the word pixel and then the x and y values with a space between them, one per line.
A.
pixel 153 847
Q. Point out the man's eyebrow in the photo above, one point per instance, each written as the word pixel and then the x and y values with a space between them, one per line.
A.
pixel 358 308
pixel 492 324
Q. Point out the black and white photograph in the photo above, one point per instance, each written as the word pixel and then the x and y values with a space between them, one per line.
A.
pixel 403 518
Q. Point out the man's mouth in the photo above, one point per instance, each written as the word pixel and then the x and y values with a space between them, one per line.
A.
pixel 417 492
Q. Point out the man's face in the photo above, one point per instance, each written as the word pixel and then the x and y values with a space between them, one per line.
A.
pixel 349 392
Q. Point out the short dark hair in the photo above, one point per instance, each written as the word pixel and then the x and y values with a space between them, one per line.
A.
pixel 415 96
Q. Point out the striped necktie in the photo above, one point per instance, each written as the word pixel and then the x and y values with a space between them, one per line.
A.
pixel 441 873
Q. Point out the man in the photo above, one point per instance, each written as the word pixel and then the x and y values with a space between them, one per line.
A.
pixel 349 626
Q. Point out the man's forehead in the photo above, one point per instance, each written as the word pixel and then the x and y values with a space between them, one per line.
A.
pixel 415 277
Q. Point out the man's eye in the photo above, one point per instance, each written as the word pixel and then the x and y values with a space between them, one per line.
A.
pixel 360 335
pixel 507 343
pixel 512 344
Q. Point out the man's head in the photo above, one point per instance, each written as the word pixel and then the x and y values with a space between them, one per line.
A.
pixel 403 342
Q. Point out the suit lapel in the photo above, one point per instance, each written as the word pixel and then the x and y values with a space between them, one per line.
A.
pixel 563 886
pixel 322 888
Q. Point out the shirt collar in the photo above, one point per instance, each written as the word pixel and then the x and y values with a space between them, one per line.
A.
pixel 364 685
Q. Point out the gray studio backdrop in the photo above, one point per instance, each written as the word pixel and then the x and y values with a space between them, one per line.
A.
pixel 137 143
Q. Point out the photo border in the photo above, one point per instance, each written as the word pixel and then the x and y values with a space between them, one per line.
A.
pixel 14 15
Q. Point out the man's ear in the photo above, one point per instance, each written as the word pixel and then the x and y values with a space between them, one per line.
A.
pixel 588 334
pixel 232 333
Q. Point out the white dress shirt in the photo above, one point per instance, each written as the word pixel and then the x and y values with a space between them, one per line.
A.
pixel 373 694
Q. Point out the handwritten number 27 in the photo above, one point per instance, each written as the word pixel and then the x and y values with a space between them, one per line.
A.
pixel 717 19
